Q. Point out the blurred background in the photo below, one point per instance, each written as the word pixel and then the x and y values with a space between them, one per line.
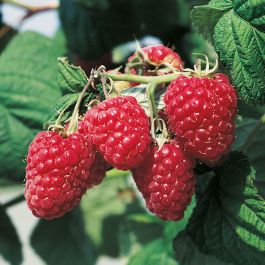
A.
pixel 104 230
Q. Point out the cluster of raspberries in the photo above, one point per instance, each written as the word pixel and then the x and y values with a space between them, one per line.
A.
pixel 199 113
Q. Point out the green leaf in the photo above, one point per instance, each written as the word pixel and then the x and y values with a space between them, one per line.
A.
pixel 65 104
pixel 187 253
pixel 71 78
pixel 156 252
pixel 63 241
pixel 100 4
pixel 28 89
pixel 161 246
pixel 229 220
pixel 237 29
pixel 254 150
pixel 92 32
pixel 139 92
pixel 135 233
pixel 103 214
pixel 10 245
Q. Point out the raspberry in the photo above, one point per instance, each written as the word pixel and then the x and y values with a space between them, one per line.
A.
pixel 57 173
pixel 166 181
pixel 201 113
pixel 119 129
pixel 98 171
pixel 159 54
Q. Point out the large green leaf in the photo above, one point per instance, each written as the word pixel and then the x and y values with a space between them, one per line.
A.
pixel 250 136
pixel 93 28
pixel 229 220
pixel 28 89
pixel 237 30
pixel 64 241
pixel 10 245
pixel 187 253
pixel 104 208
pixel 156 252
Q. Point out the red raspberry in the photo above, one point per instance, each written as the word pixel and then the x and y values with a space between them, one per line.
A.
pixel 119 129
pixel 57 173
pixel 159 54
pixel 166 181
pixel 201 113
pixel 98 171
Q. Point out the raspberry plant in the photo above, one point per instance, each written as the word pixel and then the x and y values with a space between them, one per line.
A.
pixel 155 161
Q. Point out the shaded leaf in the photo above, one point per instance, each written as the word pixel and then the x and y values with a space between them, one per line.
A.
pixel 10 245
pixel 63 241
pixel 229 220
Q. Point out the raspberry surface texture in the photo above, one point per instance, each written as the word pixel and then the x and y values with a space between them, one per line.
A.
pixel 98 170
pixel 58 173
pixel 159 54
pixel 166 181
pixel 119 129
pixel 201 112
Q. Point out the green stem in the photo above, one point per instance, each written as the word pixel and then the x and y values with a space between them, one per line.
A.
pixel 145 79
pixel 150 90
pixel 253 133
pixel 14 201
pixel 74 119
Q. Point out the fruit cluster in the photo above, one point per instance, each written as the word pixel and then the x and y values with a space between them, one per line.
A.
pixel 199 111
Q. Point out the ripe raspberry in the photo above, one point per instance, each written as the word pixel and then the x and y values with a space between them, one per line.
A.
pixel 80 127
pixel 201 113
pixel 119 129
pixel 159 54
pixel 166 181
pixel 98 171
pixel 57 173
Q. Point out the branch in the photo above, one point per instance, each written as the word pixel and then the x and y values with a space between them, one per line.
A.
pixel 14 201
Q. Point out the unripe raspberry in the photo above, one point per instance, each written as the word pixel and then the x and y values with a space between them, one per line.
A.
pixel 201 112
pixel 57 173
pixel 166 181
pixel 119 129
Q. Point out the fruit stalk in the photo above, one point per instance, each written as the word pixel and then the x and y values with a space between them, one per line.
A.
pixel 74 119
pixel 146 79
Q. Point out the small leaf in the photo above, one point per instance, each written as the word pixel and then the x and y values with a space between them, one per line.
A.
pixel 10 245
pixel 139 92
pixel 63 241
pixel 66 104
pixel 71 78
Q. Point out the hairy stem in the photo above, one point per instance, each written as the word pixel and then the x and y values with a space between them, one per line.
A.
pixel 74 119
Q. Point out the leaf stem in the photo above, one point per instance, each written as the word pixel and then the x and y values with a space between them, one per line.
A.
pixel 252 134
pixel 14 201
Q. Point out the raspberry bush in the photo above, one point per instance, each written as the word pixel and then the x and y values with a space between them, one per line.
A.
pixel 155 158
